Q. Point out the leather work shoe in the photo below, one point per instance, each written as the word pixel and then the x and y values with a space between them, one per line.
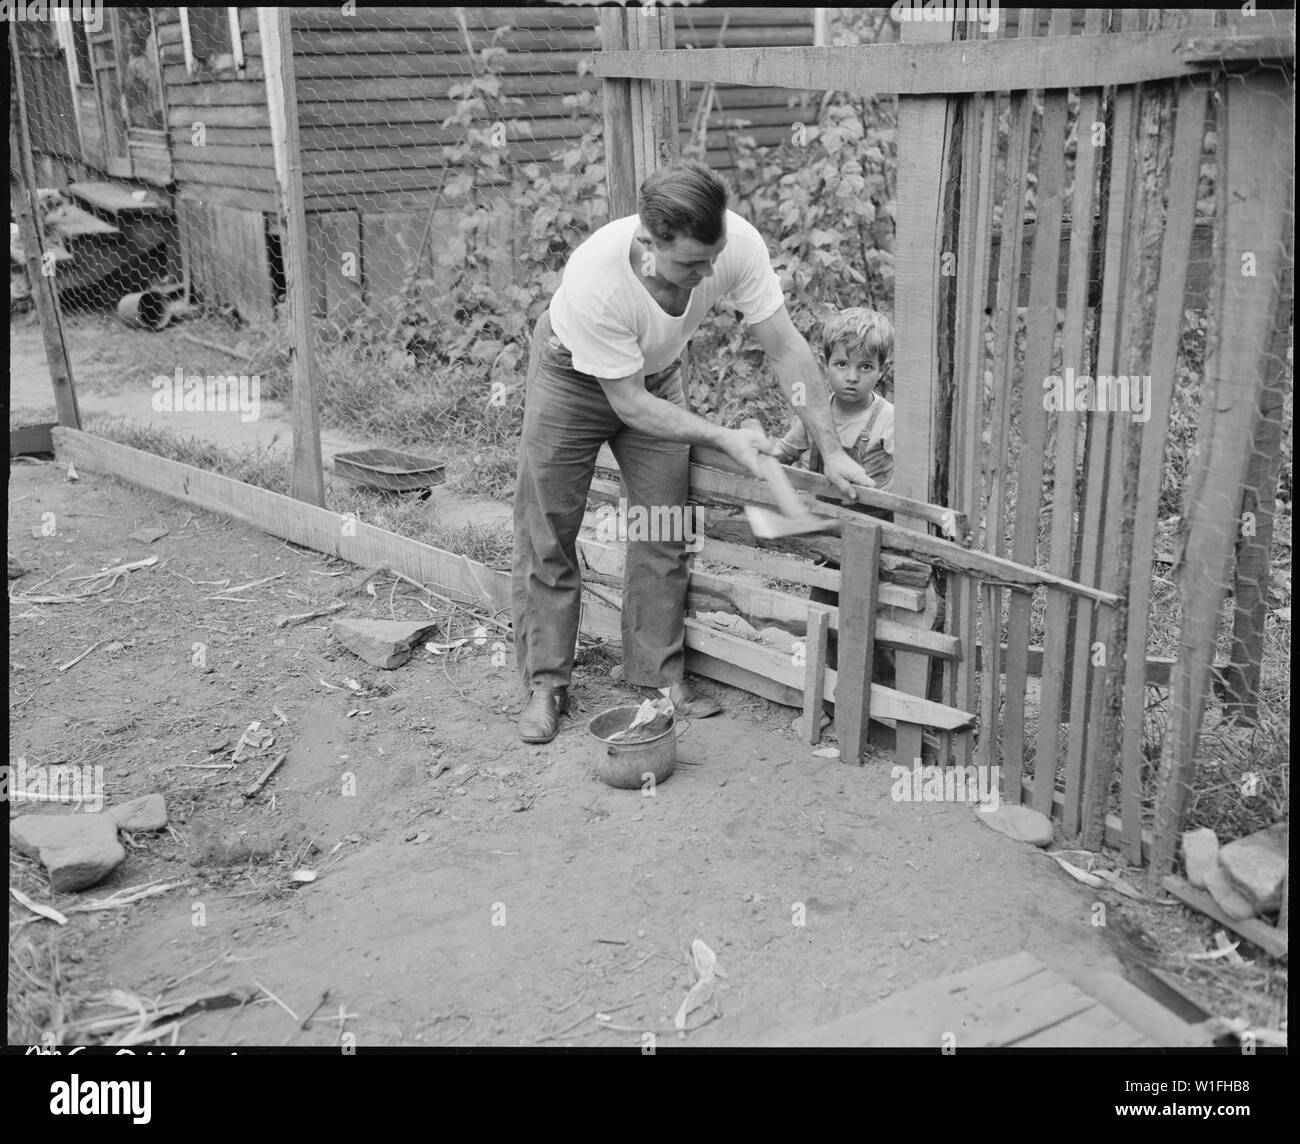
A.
pixel 539 721
pixel 685 702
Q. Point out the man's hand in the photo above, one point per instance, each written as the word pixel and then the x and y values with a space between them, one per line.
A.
pixel 843 472
pixel 744 446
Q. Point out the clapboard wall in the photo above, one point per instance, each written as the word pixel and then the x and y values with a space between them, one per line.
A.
pixel 373 92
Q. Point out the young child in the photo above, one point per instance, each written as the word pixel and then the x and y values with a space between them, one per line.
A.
pixel 857 345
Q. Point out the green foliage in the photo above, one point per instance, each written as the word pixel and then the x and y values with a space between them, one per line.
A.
pixel 824 201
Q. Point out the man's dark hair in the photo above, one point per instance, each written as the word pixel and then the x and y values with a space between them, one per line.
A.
pixel 684 197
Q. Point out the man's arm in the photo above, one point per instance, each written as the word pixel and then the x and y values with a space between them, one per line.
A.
pixel 794 364
pixel 656 417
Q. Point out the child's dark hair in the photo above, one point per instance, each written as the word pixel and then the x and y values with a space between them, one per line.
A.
pixel 860 330
pixel 684 197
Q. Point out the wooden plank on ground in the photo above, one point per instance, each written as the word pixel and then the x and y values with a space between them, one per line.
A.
pixel 988 1006
pixel 313 527
pixel 859 585
pixel 1257 149
pixel 1270 939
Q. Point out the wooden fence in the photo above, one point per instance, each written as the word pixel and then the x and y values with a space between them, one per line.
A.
pixel 1071 493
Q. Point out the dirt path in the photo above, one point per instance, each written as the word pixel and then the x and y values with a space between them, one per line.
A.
pixel 508 898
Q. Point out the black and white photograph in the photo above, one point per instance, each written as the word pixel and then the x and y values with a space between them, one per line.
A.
pixel 656 528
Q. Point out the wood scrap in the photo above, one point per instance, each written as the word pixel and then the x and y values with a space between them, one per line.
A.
pixel 253 788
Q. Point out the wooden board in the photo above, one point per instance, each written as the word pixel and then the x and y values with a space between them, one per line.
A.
pixel 316 528
pixel 860 577
pixel 225 253
pixel 1040 328
pixel 1011 1002
pixel 1256 148
pixel 1054 695
pixel 1003 379
pixel 765 606
pixel 1167 323
pixel 1270 939
pixel 939 69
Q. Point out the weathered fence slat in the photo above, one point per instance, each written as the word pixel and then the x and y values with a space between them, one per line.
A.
pixel 1161 367
pixel 1005 322
pixel 1040 329
pixel 1053 691
pixel 1256 143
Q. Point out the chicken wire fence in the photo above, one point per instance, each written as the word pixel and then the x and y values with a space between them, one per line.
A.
pixel 451 158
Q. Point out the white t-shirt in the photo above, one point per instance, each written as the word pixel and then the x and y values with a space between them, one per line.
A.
pixel 613 328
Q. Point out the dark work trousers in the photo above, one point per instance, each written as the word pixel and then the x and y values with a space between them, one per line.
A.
pixel 566 420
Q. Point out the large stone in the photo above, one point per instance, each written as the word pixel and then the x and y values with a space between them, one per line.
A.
pixel 1200 854
pixel 77 849
pixel 1022 823
pixel 381 643
pixel 1225 894
pixel 1257 869
pixel 148 812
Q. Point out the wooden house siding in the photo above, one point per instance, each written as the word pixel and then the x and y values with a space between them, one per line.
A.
pixel 217 123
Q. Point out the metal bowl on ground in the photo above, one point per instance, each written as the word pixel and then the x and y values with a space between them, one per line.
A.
pixel 626 765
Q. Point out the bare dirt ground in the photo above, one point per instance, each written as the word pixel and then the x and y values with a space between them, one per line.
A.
pixel 508 899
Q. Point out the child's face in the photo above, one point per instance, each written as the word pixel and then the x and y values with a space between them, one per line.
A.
pixel 853 376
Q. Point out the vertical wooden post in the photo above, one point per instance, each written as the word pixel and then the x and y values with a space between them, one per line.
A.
pixel 859 588
pixel 1256 146
pixel 26 209
pixel 620 166
pixel 814 677
pixel 926 122
pixel 307 481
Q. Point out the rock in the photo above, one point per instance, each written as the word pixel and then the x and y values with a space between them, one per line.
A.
pixel 1200 854
pixel 381 643
pixel 1225 894
pixel 77 850
pixel 1256 869
pixel 148 812
pixel 1022 823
